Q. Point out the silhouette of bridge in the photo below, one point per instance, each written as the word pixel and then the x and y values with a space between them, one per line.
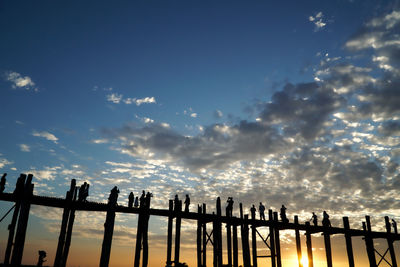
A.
pixel 23 198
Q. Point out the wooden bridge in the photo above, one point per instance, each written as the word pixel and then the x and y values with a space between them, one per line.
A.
pixel 23 197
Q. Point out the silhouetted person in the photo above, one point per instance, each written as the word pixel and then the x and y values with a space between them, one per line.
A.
pixel 176 202
pixel 142 198
pixel 83 192
pixel 3 183
pixel 253 211
pixel 148 198
pixel 229 207
pixel 314 219
pixel 394 224
pixel 131 198
pixel 42 256
pixel 325 221
pixel 261 210
pixel 283 214
pixel 136 205
pixel 113 195
pixel 187 203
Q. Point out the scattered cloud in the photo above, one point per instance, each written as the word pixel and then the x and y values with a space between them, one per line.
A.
pixel 317 20
pixel 19 81
pixel 24 148
pixel 114 98
pixel 218 114
pixel 46 135
pixel 4 162
pixel 118 98
pixel 346 123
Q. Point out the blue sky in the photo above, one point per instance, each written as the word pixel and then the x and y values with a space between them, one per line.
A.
pixel 279 101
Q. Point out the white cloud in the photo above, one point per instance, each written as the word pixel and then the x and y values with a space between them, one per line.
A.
pixel 146 100
pixel 317 20
pixel 193 115
pixel 20 81
pixel 46 135
pixel 100 141
pixel 4 162
pixel 114 98
pixel 24 148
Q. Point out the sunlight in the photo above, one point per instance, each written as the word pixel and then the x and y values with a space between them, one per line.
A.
pixel 304 260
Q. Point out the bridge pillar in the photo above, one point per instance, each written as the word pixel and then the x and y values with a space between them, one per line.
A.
pixel 349 246
pixel 169 232
pixel 309 246
pixel 272 238
pixel 390 242
pixel 298 241
pixel 369 243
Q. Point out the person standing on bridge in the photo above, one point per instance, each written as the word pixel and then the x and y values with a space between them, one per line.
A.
pixel 283 214
pixel 325 221
pixel 131 198
pixel 229 207
pixel 261 209
pixel 187 203
pixel 3 183
pixel 394 224
pixel 142 198
pixel 314 219
pixel 136 205
pixel 253 211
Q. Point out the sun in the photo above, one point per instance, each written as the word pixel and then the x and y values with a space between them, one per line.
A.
pixel 304 260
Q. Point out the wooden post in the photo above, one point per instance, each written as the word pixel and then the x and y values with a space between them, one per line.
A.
pixel 390 242
pixel 328 251
pixel 277 243
pixel 369 243
pixel 235 247
pixel 272 238
pixel 309 246
pixel 219 229
pixel 69 233
pixel 64 222
pixel 145 231
pixel 198 237
pixel 229 242
pixel 20 235
pixel 204 237
pixel 245 237
pixel 109 228
pixel 18 193
pixel 254 237
pixel 178 231
pixel 169 233
pixel 349 246
pixel 215 243
pixel 298 241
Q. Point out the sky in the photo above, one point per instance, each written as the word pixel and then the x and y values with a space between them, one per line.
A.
pixel 274 101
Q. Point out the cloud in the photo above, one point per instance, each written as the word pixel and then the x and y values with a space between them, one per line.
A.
pixel 317 20
pixel 19 81
pixel 218 114
pixel 118 98
pixel 327 144
pixel 46 135
pixel 114 98
pixel 4 162
pixel 24 148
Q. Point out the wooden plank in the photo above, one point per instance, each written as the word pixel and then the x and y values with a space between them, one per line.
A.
pixel 309 247
pixel 349 246
pixel 298 241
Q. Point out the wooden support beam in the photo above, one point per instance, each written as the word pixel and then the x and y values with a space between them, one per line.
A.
pixel 169 232
pixel 198 239
pixel 64 224
pixel 369 243
pixel 245 237
pixel 178 222
pixel 272 238
pixel 20 235
pixel 277 243
pixel 109 228
pixel 69 233
pixel 349 246
pixel 390 242
pixel 309 246
pixel 235 247
pixel 215 244
pixel 204 262
pixel 145 232
pixel 298 241
pixel 328 251
pixel 254 237
pixel 219 228
pixel 229 243
pixel 18 193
